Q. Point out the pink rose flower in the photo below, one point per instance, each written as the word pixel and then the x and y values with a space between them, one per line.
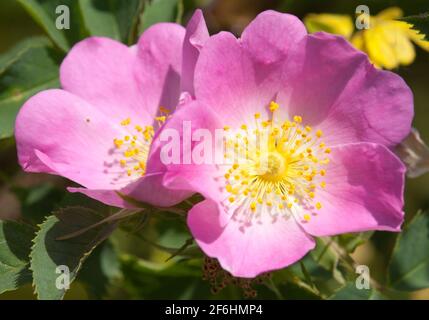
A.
pixel 97 130
pixel 331 119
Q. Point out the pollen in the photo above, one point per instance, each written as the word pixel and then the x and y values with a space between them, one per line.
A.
pixel 276 167
pixel 134 148
pixel 273 106
pixel 126 122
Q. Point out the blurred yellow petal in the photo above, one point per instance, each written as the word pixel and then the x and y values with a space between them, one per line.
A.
pixel 391 13
pixel 400 42
pixel 358 42
pixel 332 23
pixel 379 49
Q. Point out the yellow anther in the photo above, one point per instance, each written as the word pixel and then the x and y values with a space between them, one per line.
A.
pixel 123 163
pixel 126 122
pixel 273 106
pixel 231 199
pixel 118 143
pixel 323 172
pixel 308 128
pixel 227 175
pixel 253 206
pixel 243 127
pixel 319 133
pixel 160 118
pixel 307 217
pixel 311 195
pixel 257 115
pixel 228 188
pixel 226 128
pixel 323 184
pixel 289 205
pixel 297 119
pixel 327 150
pixel 235 166
pixel 127 138
pixel 322 145
pixel 129 172
pixel 138 128
pixel 164 110
pixel 318 205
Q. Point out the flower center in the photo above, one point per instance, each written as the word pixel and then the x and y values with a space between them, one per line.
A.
pixel 274 166
pixel 277 168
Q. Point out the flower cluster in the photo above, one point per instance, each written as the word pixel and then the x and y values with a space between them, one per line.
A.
pixel 309 124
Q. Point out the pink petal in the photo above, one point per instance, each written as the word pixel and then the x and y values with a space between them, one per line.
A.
pixel 225 80
pixel 240 77
pixel 364 191
pixel 160 63
pixel 102 72
pixel 196 35
pixel 186 174
pixel 271 35
pixel 58 132
pixel 335 88
pixel 250 251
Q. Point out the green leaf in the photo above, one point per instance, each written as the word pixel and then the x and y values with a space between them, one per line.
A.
pixel 420 23
pixel 350 292
pixel 100 269
pixel 110 18
pixel 350 241
pixel 48 253
pixel 409 266
pixel 15 244
pixel 322 273
pixel 30 67
pixel 159 11
pixel 45 14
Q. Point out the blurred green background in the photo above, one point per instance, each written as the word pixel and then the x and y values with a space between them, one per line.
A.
pixel 23 194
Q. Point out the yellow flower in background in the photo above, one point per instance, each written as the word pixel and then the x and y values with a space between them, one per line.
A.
pixel 332 23
pixel 388 42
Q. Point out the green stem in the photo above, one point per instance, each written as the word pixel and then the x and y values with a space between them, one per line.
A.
pixel 272 286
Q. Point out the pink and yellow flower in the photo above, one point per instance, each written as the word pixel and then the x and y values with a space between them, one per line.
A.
pixel 326 169
pixel 98 129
